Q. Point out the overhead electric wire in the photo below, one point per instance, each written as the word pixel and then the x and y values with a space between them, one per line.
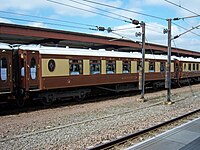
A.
pixel 187 29
pixel 108 16
pixel 182 18
pixel 127 28
pixel 181 7
pixel 33 16
pixel 154 25
pixel 122 29
pixel 26 20
pixel 100 9
pixel 187 23
pixel 127 10
pixel 122 36
pixel 154 30
pixel 196 14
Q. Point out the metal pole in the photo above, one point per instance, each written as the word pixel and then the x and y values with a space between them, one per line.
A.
pixel 168 69
pixel 143 59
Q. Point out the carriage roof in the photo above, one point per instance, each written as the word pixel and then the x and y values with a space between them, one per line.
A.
pixel 98 53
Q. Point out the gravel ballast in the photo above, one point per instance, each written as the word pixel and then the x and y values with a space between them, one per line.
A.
pixel 84 125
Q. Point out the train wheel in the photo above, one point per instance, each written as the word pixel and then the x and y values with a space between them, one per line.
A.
pixel 156 86
pixel 81 96
pixel 46 101
pixel 20 102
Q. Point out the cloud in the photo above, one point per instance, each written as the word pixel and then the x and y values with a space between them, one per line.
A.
pixel 37 24
pixel 177 4
pixel 2 20
pixel 154 34
pixel 153 29
pixel 39 5
pixel 22 4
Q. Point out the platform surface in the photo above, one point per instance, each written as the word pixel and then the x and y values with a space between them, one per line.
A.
pixel 184 137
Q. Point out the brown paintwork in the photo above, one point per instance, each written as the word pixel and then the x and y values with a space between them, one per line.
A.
pixel 87 80
pixel 7 86
pixel 190 74
pixel 151 76
pixel 30 82
pixel 26 82
pixel 51 82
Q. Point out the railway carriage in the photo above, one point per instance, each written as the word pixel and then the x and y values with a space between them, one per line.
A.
pixel 51 73
pixel 6 78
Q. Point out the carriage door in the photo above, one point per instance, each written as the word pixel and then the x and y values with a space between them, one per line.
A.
pixel 33 76
pixel 6 85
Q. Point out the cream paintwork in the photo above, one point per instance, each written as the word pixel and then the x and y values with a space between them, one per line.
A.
pixel 119 67
pixel 86 67
pixel 157 66
pixel 103 66
pixel 61 69
pixel 133 66
pixel 146 67
pixel 172 67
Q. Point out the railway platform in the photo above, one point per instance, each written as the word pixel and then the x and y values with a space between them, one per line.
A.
pixel 184 137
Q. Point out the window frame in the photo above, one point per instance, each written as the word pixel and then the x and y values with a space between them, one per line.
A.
pixel 33 69
pixel 164 66
pixel 189 67
pixel 139 64
pixel 126 63
pixel 194 67
pixel 152 62
pixel 185 66
pixel 77 63
pixel 4 65
pixel 95 63
pixel 112 64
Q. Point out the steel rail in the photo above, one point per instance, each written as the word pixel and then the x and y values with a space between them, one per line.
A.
pixel 129 136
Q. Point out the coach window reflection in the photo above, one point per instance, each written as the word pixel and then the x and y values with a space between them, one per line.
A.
pixel 33 69
pixel 3 69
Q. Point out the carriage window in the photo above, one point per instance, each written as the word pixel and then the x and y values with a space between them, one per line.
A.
pixel 3 67
pixel 162 67
pixel 189 67
pixel 185 67
pixel 22 67
pixel 33 69
pixel 76 67
pixel 139 64
pixel 95 67
pixel 197 67
pixel 126 66
pixel 193 67
pixel 151 66
pixel 110 67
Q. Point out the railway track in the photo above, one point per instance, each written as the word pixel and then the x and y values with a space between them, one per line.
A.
pixel 11 108
pixel 86 125
pixel 134 138
pixel 76 123
pixel 96 119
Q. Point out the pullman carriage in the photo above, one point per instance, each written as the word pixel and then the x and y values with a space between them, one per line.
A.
pixel 51 73
pixel 6 78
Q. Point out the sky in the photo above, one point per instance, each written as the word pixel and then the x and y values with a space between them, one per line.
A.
pixel 84 17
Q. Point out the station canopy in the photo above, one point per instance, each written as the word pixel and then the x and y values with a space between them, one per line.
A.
pixel 19 34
